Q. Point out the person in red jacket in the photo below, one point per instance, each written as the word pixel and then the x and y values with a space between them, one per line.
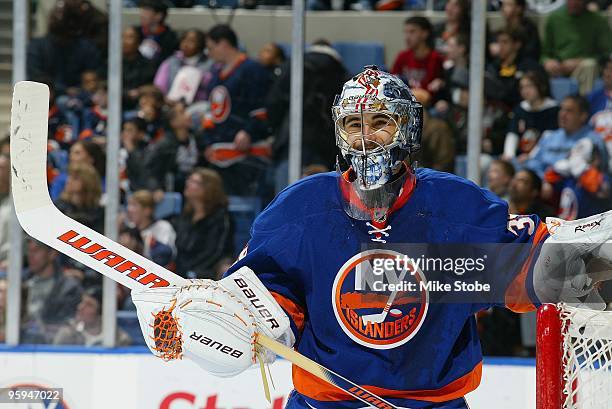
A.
pixel 419 65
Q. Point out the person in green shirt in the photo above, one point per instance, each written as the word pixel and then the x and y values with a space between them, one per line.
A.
pixel 574 39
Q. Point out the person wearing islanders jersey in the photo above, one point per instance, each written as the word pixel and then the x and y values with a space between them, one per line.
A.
pixel 235 126
pixel 313 260
pixel 307 249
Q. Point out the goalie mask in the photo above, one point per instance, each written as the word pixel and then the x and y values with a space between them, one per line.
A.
pixel 378 123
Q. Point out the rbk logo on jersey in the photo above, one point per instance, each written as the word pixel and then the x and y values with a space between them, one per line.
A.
pixel 379 308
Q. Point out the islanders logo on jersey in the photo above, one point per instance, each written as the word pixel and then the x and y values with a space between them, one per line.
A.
pixel 380 304
pixel 220 104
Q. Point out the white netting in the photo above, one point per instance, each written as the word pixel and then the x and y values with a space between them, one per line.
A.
pixel 587 358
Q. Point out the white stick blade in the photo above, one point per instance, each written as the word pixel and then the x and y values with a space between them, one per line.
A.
pixel 29 118
pixel 40 218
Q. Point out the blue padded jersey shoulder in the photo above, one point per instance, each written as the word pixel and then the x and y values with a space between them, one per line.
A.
pixel 313 196
pixel 457 199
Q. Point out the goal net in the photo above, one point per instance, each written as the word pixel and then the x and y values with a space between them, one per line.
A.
pixel 574 358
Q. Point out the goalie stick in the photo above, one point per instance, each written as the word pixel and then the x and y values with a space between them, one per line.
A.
pixel 44 222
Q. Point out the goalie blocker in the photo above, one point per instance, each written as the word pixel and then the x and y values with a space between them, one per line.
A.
pixel 212 323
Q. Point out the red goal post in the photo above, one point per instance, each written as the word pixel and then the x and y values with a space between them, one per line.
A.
pixel 573 358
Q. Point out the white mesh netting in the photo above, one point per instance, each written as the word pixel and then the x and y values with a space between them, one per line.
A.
pixel 587 358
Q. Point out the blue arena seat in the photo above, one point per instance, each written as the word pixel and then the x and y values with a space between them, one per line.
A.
pixel 561 87
pixel 598 84
pixel 356 55
pixel 243 211
pixel 128 321
pixel 59 159
pixel 461 165
pixel 218 4
pixel 169 206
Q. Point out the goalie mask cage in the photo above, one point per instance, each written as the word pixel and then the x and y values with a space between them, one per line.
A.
pixel 573 358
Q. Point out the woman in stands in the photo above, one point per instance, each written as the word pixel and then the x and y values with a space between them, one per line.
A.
pixel 158 236
pixel 80 198
pixel 189 67
pixel 204 234
pixel 457 21
pixel 536 113
pixel 80 152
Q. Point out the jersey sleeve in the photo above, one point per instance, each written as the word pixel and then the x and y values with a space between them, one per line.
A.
pixel 510 251
pixel 509 245
pixel 273 253
pixel 524 237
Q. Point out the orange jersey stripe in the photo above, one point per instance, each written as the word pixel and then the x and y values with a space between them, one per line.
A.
pixel 295 311
pixel 315 388
pixel 517 298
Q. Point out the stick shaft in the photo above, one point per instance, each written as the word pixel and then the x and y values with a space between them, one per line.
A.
pixel 321 372
pixel 43 221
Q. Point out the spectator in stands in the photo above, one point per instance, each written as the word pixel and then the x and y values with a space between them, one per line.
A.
pixel 536 113
pixel 581 182
pixel 204 234
pixel 508 67
pixel 324 75
pixel 133 154
pixel 159 40
pixel 555 145
pixel 150 110
pixel 5 209
pixel 94 24
pixel 94 119
pixel 437 143
pixel 136 69
pixel 61 131
pixel 419 65
pixel 185 74
pixel 52 297
pixel 77 99
pixel 85 328
pixel 233 138
pixel 80 199
pixel 272 56
pixel 513 12
pixel 174 157
pixel 499 177
pixel 158 236
pixel 63 54
pixel 574 39
pixel 457 21
pixel 524 195
pixel 87 152
pixel 130 238
pixel 452 100
pixel 75 103
pixel 600 101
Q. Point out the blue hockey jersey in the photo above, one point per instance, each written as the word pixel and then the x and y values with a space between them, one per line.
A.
pixel 318 264
pixel 236 96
